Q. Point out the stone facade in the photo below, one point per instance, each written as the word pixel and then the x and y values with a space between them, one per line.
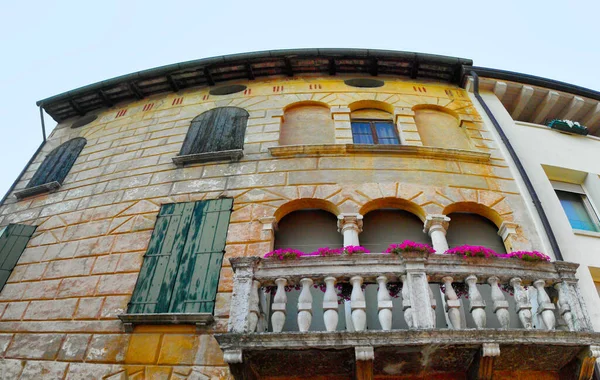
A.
pixel 58 311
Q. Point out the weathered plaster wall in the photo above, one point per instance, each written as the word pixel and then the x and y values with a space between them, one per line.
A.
pixel 572 153
pixel 58 310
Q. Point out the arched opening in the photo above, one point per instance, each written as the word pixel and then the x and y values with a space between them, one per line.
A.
pixel 308 230
pixel 388 226
pixel 473 229
pixel 307 123
pixel 372 123
pixel 440 127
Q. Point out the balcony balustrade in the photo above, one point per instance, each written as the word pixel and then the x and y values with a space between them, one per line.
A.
pixel 371 315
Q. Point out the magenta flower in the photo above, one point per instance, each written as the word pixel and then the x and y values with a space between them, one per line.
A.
pixel 326 251
pixel 472 251
pixel 284 254
pixel 409 246
pixel 528 256
pixel 355 249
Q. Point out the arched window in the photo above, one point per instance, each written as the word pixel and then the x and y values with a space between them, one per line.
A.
pixel 388 226
pixel 217 134
pixel 308 230
pixel 373 126
pixel 307 124
pixel 53 170
pixel 440 128
pixel 473 229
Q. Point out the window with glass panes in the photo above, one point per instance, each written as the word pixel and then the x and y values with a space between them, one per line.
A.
pixel 578 210
pixel 374 132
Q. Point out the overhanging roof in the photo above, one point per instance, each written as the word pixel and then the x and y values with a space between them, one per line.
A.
pixel 212 71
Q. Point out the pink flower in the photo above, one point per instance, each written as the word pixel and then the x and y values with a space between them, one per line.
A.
pixel 326 251
pixel 354 249
pixel 528 256
pixel 409 246
pixel 472 251
pixel 285 254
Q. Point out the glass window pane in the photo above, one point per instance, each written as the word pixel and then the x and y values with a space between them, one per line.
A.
pixel 363 139
pixel 393 141
pixel 358 127
pixel 576 211
pixel 385 130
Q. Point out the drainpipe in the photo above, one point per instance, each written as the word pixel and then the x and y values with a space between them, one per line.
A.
pixel 536 200
pixel 12 187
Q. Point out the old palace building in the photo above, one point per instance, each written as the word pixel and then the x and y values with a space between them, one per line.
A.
pixel 243 217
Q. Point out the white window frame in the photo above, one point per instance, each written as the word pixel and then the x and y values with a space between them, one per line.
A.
pixel 587 204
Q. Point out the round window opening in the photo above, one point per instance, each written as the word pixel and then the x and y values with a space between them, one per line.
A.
pixel 226 90
pixel 364 82
pixel 85 120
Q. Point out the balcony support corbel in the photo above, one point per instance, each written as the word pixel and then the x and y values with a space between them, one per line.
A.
pixel 582 366
pixel 239 371
pixel 483 366
pixel 364 356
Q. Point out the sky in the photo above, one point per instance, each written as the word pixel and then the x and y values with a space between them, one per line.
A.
pixel 52 47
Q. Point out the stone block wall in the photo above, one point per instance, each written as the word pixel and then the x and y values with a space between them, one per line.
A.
pixel 58 311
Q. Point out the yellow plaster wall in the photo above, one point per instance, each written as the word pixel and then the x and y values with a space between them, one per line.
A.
pixel 58 311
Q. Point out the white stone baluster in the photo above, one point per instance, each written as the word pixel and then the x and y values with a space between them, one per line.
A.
pixel 330 305
pixel 476 302
pixel 279 305
pixel 408 317
pixel 254 314
pixel 433 305
pixel 384 304
pixel 523 306
pixel 436 226
pixel 358 304
pixel 452 303
pixel 500 303
pixel 350 225
pixel 545 306
pixel 563 305
pixel 305 305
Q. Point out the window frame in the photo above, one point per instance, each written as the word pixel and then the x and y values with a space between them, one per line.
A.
pixel 591 211
pixel 374 129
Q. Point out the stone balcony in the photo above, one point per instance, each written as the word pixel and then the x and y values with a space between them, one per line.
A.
pixel 409 317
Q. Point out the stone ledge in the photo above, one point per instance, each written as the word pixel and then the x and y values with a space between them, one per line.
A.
pixel 198 319
pixel 400 150
pixel 224 155
pixel 49 187
pixel 399 338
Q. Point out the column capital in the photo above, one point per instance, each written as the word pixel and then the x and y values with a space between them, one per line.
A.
pixel 506 229
pixel 350 221
pixel 364 353
pixel 232 356
pixel 436 222
pixel 490 349
pixel 268 223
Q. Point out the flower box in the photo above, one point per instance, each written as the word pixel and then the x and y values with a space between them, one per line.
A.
pixel 569 127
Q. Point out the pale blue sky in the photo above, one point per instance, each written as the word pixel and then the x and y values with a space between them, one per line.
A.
pixel 51 48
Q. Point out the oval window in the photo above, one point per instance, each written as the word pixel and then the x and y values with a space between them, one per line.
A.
pixel 85 120
pixel 364 82
pixel 226 90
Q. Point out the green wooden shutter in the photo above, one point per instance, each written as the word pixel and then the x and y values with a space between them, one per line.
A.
pixel 58 163
pixel 13 241
pixel 198 277
pixel 216 130
pixel 154 286
pixel 181 268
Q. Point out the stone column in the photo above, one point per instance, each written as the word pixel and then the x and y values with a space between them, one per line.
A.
pixel 350 225
pixel 436 226
pixel 418 290
pixel 241 302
